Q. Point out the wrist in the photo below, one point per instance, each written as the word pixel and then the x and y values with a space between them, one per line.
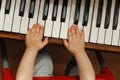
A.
pixel 81 51
pixel 32 49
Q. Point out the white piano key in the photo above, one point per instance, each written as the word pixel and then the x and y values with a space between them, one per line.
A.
pixel 72 13
pixel 17 18
pixel 115 37
pixel 49 22
pixel 94 29
pixel 81 13
pixel 2 15
pixel 65 25
pixel 101 34
pixel 9 17
pixel 34 19
pixel 116 34
pixel 25 19
pixel 108 35
pixel 57 23
pixel 42 22
pixel 87 28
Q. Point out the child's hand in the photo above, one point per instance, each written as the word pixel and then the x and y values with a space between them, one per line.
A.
pixel 75 41
pixel 34 38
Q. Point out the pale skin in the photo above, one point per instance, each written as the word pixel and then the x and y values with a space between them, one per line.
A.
pixel 75 44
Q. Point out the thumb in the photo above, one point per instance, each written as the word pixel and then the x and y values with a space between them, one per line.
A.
pixel 45 41
pixel 65 42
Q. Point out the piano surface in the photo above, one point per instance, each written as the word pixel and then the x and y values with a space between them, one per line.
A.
pixel 99 18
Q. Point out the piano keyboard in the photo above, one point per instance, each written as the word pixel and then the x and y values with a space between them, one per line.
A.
pixel 106 23
pixel 99 18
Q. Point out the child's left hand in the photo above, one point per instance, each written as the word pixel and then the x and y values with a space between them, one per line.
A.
pixel 34 38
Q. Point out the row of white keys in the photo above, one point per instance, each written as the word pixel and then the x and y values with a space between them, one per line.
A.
pixel 57 23
pixel 2 14
pixel 9 17
pixel 116 34
pixel 42 22
pixel 65 25
pixel 49 22
pixel 101 32
pixel 94 29
pixel 34 19
pixel 25 19
pixel 72 13
pixel 81 14
pixel 17 18
pixel 108 35
pixel 87 28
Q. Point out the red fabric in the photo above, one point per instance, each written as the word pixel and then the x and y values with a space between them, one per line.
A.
pixel 62 78
pixel 105 74
pixel 6 74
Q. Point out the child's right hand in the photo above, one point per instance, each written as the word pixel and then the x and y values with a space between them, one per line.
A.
pixel 75 42
pixel 34 38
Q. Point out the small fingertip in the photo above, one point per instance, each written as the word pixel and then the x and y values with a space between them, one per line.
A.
pixel 82 32
pixel 46 37
pixel 46 40
pixel 33 26
pixel 82 29
pixel 64 39
pixel 41 27
pixel 65 42
pixel 69 31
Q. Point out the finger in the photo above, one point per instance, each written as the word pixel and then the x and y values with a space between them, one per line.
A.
pixel 45 41
pixel 37 29
pixel 41 32
pixel 82 34
pixel 77 30
pixel 41 25
pixel 69 34
pixel 28 33
pixel 65 42
pixel 33 28
pixel 37 33
pixel 33 32
pixel 74 36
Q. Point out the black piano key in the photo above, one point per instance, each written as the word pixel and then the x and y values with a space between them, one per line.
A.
pixel 22 8
pixel 116 15
pixel 99 15
pixel 64 10
pixel 7 6
pixel 46 9
pixel 86 13
pixel 77 12
pixel 55 10
pixel 0 4
pixel 108 13
pixel 32 8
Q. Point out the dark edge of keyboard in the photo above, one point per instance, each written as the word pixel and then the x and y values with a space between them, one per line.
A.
pixel 94 46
